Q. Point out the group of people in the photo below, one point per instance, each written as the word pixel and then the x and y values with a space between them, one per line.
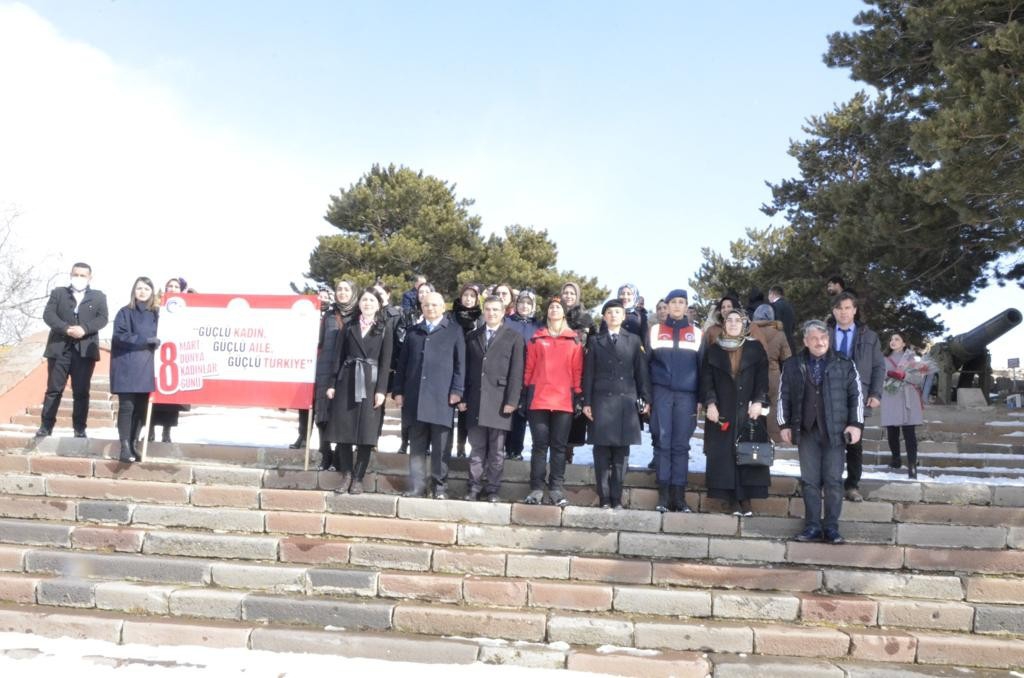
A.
pixel 75 314
pixel 495 367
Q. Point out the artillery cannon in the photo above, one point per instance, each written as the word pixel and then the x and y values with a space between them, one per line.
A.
pixel 967 354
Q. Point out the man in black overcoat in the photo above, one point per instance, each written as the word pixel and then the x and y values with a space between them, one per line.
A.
pixel 785 314
pixel 429 381
pixel 494 381
pixel 75 314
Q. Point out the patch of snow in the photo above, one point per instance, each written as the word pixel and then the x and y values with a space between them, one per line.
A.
pixel 24 654
pixel 615 649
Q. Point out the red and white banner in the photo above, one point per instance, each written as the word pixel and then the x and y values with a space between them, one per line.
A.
pixel 237 349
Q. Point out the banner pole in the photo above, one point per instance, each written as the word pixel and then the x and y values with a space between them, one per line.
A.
pixel 149 416
pixel 309 434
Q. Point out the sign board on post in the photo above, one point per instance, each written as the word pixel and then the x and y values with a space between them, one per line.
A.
pixel 222 349
pixel 1012 363
pixel 230 349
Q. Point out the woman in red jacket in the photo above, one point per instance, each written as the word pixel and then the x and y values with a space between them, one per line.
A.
pixel 554 369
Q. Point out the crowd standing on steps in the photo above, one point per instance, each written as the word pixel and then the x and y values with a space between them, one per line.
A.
pixel 496 363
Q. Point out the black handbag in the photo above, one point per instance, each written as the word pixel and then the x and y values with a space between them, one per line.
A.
pixel 755 452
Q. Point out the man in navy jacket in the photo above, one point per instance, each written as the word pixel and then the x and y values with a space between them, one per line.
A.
pixel 821 410
pixel 429 381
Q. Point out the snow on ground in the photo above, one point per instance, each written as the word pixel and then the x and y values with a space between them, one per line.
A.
pixel 29 655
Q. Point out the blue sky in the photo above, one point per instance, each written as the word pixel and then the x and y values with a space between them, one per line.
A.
pixel 635 133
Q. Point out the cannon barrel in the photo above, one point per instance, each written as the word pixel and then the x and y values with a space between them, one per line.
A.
pixel 972 344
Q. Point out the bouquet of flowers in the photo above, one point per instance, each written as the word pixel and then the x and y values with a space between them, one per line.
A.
pixel 913 373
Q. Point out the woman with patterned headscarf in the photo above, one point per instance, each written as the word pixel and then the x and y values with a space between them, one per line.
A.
pixel 734 390
pixel 343 311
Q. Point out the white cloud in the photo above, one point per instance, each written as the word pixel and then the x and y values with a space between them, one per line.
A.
pixel 104 165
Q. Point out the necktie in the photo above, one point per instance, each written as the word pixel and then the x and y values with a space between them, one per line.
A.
pixel 844 346
pixel 615 339
pixel 817 370
pixel 430 328
pixel 490 336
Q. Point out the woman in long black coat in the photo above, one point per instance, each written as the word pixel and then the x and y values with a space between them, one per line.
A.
pixel 615 382
pixel 734 390
pixel 340 314
pixel 131 363
pixel 357 395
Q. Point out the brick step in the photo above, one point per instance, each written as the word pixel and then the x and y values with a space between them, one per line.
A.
pixel 114 628
pixel 531 626
pixel 66 406
pixel 937 461
pixel 94 420
pixel 872 521
pixel 516 473
pixel 783 500
pixel 808 596
pixel 573 530
pixel 388 474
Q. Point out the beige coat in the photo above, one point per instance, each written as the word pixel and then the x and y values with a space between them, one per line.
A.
pixel 773 338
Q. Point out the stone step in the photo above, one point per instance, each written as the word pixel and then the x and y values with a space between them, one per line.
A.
pixel 66 406
pixel 630 588
pixel 931 546
pixel 386 476
pixel 94 420
pixel 751 636
pixel 880 520
pixel 127 628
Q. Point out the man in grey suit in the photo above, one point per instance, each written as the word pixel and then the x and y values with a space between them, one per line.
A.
pixel 494 381
pixel 860 344
pixel 75 314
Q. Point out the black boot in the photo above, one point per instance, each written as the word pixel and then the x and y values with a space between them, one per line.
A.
pixel 679 499
pixel 127 455
pixel 417 486
pixel 326 457
pixel 663 499
pixel 166 437
pixel 895 461
pixel 299 443
pixel 362 462
pixel 911 470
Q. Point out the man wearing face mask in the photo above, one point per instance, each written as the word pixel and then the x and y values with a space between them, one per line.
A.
pixel 74 314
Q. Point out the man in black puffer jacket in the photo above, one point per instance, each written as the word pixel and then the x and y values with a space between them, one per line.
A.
pixel 821 409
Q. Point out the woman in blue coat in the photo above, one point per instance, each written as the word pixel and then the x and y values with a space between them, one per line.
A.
pixel 131 363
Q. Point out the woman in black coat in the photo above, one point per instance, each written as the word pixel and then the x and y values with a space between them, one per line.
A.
pixel 356 396
pixel 131 363
pixel 332 323
pixel 467 312
pixel 734 390
pixel 615 384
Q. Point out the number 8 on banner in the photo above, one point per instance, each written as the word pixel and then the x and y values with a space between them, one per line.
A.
pixel 167 375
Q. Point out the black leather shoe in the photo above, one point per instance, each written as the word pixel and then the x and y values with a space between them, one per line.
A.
pixel 298 444
pixel 493 498
pixel 809 534
pixel 43 432
pixel 912 471
pixel 832 536
pixel 79 432
pixel 473 495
